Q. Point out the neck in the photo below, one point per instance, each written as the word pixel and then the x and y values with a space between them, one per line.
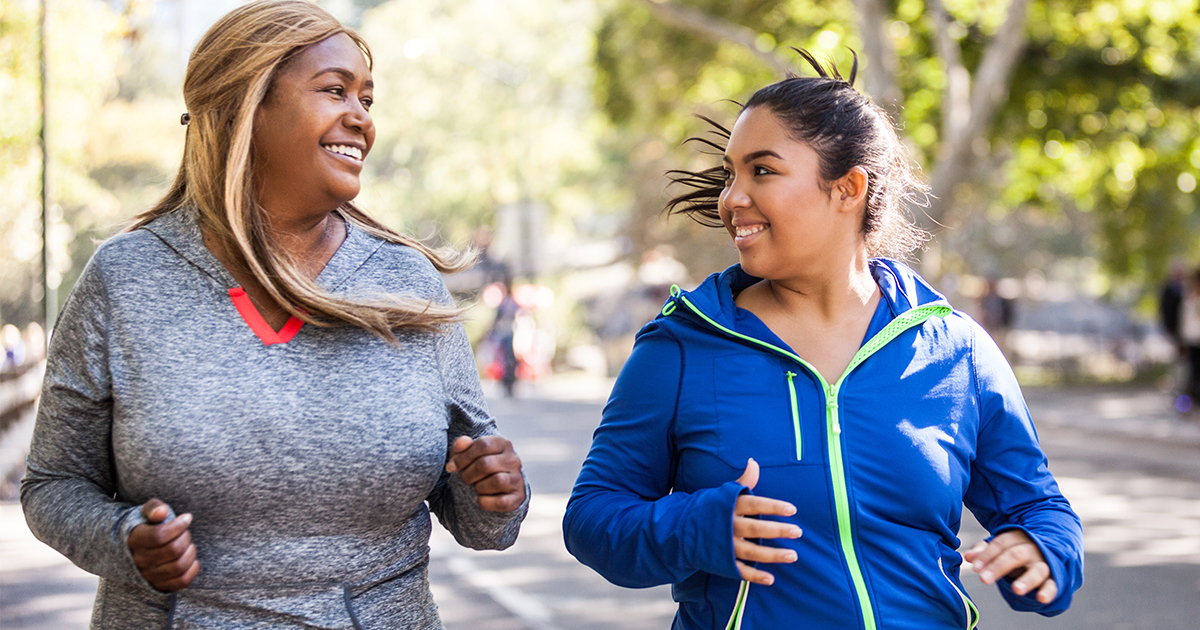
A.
pixel 306 237
pixel 829 294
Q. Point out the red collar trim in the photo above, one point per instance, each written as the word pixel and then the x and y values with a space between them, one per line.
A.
pixel 259 325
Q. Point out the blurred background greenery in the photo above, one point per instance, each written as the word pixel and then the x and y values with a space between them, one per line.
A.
pixel 1060 138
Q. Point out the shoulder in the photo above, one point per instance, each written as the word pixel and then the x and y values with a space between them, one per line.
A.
pixel 397 268
pixel 127 257
pixel 127 248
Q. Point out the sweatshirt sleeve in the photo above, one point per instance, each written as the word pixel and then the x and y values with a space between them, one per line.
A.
pixel 1011 486
pixel 452 500
pixel 68 489
pixel 623 520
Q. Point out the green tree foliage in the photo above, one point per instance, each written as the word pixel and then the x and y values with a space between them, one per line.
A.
pixel 84 38
pixel 480 105
pixel 1105 113
pixel 1091 151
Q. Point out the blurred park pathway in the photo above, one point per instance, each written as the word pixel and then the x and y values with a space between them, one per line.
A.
pixel 1126 459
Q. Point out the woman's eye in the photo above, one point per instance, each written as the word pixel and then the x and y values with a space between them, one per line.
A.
pixel 761 170
pixel 366 103
pixel 726 176
pixel 338 91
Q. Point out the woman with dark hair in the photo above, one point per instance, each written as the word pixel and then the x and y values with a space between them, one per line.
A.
pixel 261 357
pixel 791 443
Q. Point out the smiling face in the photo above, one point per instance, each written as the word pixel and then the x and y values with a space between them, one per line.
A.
pixel 782 216
pixel 313 130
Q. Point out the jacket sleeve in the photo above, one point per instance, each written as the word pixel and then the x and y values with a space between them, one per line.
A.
pixel 452 500
pixel 1011 486
pixel 623 520
pixel 69 484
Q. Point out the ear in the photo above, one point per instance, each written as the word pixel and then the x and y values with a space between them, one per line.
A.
pixel 851 189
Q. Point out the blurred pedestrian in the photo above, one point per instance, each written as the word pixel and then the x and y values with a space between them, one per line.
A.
pixel 262 358
pixel 1189 337
pixel 999 313
pixel 503 333
pixel 791 444
pixel 1170 301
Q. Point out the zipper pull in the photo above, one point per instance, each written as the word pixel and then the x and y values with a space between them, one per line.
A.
pixel 832 409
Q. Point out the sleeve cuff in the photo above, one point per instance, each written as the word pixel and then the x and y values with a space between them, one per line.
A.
pixel 708 535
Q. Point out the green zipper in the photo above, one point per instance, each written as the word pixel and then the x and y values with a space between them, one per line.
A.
pixel 968 605
pixel 739 607
pixel 795 414
pixel 906 320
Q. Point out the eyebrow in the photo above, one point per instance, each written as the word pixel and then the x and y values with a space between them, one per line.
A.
pixel 750 157
pixel 344 73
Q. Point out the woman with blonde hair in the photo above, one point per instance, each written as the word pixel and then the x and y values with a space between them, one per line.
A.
pixel 261 357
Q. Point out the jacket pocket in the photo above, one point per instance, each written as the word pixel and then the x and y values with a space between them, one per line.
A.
pixel 970 612
pixel 760 403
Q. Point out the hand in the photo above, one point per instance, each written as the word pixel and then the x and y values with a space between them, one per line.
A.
pixel 1013 555
pixel 745 526
pixel 163 551
pixel 489 465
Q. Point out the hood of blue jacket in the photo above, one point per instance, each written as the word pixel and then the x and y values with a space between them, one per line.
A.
pixel 903 290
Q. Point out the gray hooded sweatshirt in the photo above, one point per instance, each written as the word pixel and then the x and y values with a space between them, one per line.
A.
pixel 310 459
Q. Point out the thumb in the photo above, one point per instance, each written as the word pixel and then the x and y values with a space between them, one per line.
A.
pixel 157 512
pixel 750 477
pixel 458 446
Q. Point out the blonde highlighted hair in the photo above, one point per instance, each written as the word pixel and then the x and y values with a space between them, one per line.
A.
pixel 228 75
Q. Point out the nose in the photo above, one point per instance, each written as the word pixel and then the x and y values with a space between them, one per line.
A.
pixel 359 118
pixel 734 197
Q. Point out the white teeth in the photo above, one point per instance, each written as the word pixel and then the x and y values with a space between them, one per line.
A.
pixel 743 232
pixel 346 150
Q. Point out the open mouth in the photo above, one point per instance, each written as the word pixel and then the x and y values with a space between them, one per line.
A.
pixel 748 230
pixel 352 152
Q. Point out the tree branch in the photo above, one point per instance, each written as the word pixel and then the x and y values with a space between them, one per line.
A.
pixel 992 78
pixel 882 65
pixel 956 106
pixel 714 29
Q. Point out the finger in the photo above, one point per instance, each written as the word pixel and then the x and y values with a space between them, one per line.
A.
pixel 1032 577
pixel 153 536
pixel 146 558
pixel 484 446
pixel 460 444
pixel 748 551
pixel 750 574
pixel 503 482
pixel 748 505
pixel 971 554
pixel 171 570
pixel 755 528
pixel 749 478
pixel 501 502
pixel 475 470
pixel 992 549
pixel 1048 592
pixel 1008 560
pixel 181 582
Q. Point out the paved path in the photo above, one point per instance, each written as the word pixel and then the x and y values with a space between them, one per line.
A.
pixel 1128 462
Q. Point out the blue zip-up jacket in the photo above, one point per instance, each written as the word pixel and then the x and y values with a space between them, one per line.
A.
pixel 928 417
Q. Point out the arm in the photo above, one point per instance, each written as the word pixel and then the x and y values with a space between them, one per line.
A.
pixel 623 520
pixel 485 510
pixel 68 489
pixel 1011 489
